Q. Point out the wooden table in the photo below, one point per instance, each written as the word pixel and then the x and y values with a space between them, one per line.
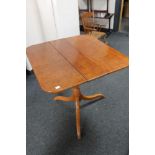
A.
pixel 68 63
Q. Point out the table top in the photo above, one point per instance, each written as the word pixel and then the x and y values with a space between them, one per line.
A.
pixel 65 63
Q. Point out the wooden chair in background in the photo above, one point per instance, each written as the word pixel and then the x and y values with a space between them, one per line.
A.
pixel 90 27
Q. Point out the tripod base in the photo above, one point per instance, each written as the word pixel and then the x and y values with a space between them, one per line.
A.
pixel 76 97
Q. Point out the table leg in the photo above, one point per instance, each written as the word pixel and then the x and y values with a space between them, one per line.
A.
pixel 76 97
pixel 78 126
pixel 76 94
pixel 63 98
pixel 91 97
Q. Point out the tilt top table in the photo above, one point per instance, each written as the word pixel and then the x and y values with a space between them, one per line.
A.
pixel 67 63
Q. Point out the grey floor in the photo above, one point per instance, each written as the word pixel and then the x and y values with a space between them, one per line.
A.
pixel 51 125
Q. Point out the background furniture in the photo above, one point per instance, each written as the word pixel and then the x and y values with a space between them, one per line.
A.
pixel 99 14
pixel 89 25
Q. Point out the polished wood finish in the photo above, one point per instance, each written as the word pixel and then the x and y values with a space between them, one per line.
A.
pixel 76 93
pixel 89 56
pixel 53 72
pixel 80 96
pixel 76 97
pixel 68 63
pixel 65 63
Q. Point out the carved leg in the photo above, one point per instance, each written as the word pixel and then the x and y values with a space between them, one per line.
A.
pixel 78 128
pixel 77 96
pixel 91 97
pixel 63 98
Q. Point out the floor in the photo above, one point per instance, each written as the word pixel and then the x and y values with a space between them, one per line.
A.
pixel 51 125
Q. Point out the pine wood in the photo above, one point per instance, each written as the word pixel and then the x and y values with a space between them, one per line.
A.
pixel 68 63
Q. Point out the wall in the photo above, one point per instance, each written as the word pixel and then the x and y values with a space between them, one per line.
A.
pixel 100 5
pixel 39 22
pixel 67 17
pixel 49 20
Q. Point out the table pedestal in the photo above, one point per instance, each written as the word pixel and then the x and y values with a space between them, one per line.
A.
pixel 76 97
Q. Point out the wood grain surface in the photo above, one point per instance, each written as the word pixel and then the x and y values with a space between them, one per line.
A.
pixel 65 63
